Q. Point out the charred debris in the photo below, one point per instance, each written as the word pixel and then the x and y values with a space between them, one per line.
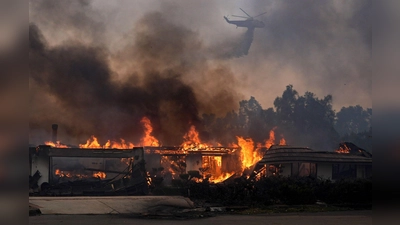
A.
pixel 73 171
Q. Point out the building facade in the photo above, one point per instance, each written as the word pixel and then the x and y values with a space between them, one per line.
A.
pixel 303 162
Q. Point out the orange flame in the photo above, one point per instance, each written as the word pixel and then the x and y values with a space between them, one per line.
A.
pixel 148 139
pixel 249 153
pixel 92 142
pixel 213 164
pixel 221 178
pixel 343 149
pixel 55 145
pixel 271 139
pixel 248 156
pixel 121 145
pixel 192 140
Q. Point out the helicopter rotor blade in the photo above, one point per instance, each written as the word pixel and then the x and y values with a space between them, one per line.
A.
pixel 245 12
pixel 260 14
pixel 240 16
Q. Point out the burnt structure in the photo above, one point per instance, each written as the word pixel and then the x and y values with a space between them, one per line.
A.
pixel 302 161
pixel 74 171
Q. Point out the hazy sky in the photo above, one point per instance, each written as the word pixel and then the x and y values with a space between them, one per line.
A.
pixel 318 46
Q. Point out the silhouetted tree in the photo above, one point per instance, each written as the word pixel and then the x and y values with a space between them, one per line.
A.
pixel 307 120
pixel 353 119
pixel 269 118
pixel 285 106
pixel 304 120
pixel 252 119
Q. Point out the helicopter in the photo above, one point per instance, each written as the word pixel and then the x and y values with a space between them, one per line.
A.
pixel 250 22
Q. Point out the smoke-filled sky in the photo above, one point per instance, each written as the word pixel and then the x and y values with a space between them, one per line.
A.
pixel 93 62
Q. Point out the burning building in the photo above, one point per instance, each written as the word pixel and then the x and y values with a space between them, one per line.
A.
pixel 147 164
pixel 121 167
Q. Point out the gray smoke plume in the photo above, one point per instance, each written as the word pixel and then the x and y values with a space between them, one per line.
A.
pixel 98 66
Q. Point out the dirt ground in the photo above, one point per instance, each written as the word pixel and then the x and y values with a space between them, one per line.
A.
pixel 325 218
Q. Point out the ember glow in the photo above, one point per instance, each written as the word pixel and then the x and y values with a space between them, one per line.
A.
pixel 100 175
pixel 62 173
pixel 69 174
pixel 343 149
pixel 148 139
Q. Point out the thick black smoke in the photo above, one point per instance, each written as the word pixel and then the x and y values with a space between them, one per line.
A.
pixel 80 79
pixel 88 90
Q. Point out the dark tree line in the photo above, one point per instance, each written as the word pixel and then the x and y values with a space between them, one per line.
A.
pixel 304 120
pixel 354 125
